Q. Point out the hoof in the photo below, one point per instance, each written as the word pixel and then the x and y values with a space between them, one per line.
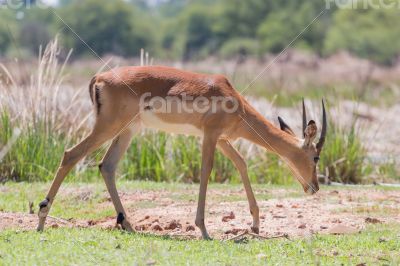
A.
pixel 44 208
pixel 255 230
pixel 40 226
pixel 207 238
pixel 125 225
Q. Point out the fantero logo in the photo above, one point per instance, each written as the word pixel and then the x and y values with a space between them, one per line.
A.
pixel 188 104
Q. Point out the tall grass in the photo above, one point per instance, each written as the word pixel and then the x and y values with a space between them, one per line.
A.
pixel 49 115
pixel 32 156
pixel 344 157
pixel 53 116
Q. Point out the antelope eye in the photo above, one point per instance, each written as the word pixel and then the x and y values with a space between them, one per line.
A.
pixel 316 159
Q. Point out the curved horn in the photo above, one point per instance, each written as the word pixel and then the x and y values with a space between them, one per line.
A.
pixel 304 119
pixel 321 141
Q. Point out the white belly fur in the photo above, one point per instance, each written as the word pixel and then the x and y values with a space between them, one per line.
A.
pixel 150 120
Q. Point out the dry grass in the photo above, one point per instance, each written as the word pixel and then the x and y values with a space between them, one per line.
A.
pixel 45 100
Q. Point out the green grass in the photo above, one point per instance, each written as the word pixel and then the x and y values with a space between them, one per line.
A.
pixel 16 198
pixel 376 245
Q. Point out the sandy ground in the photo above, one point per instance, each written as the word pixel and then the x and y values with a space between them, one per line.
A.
pixel 172 213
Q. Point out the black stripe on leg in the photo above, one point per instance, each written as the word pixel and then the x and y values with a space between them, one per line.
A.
pixel 44 203
pixel 120 218
pixel 97 97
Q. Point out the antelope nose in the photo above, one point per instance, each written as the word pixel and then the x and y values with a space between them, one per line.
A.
pixel 316 186
pixel 312 188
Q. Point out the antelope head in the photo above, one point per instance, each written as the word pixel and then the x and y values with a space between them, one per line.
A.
pixel 304 161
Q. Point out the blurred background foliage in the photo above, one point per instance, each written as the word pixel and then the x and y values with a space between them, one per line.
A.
pixel 187 30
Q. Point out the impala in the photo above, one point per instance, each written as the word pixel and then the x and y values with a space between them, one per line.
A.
pixel 130 98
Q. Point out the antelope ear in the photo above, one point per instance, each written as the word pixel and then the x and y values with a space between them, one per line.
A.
pixel 310 133
pixel 285 127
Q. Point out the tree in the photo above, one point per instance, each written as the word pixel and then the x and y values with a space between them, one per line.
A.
pixel 174 8
pixel 198 31
pixel 284 25
pixel 242 18
pixel 36 28
pixel 106 26
pixel 191 34
pixel 369 33
pixel 29 3
pixel 65 2
pixel 8 25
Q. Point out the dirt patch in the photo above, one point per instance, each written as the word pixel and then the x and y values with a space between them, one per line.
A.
pixel 328 211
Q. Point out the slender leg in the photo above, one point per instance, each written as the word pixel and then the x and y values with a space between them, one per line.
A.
pixel 70 159
pixel 229 151
pixel 208 149
pixel 108 167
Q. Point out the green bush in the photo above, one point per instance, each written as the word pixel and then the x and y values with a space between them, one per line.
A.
pixel 180 29
pixel 8 27
pixel 36 29
pixel 106 26
pixel 294 24
pixel 368 33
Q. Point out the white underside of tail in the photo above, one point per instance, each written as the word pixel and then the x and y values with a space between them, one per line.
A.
pixel 150 120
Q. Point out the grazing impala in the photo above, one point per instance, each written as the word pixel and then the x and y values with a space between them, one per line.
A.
pixel 129 98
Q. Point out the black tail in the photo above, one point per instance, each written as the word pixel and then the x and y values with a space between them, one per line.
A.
pixel 94 94
pixel 92 81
